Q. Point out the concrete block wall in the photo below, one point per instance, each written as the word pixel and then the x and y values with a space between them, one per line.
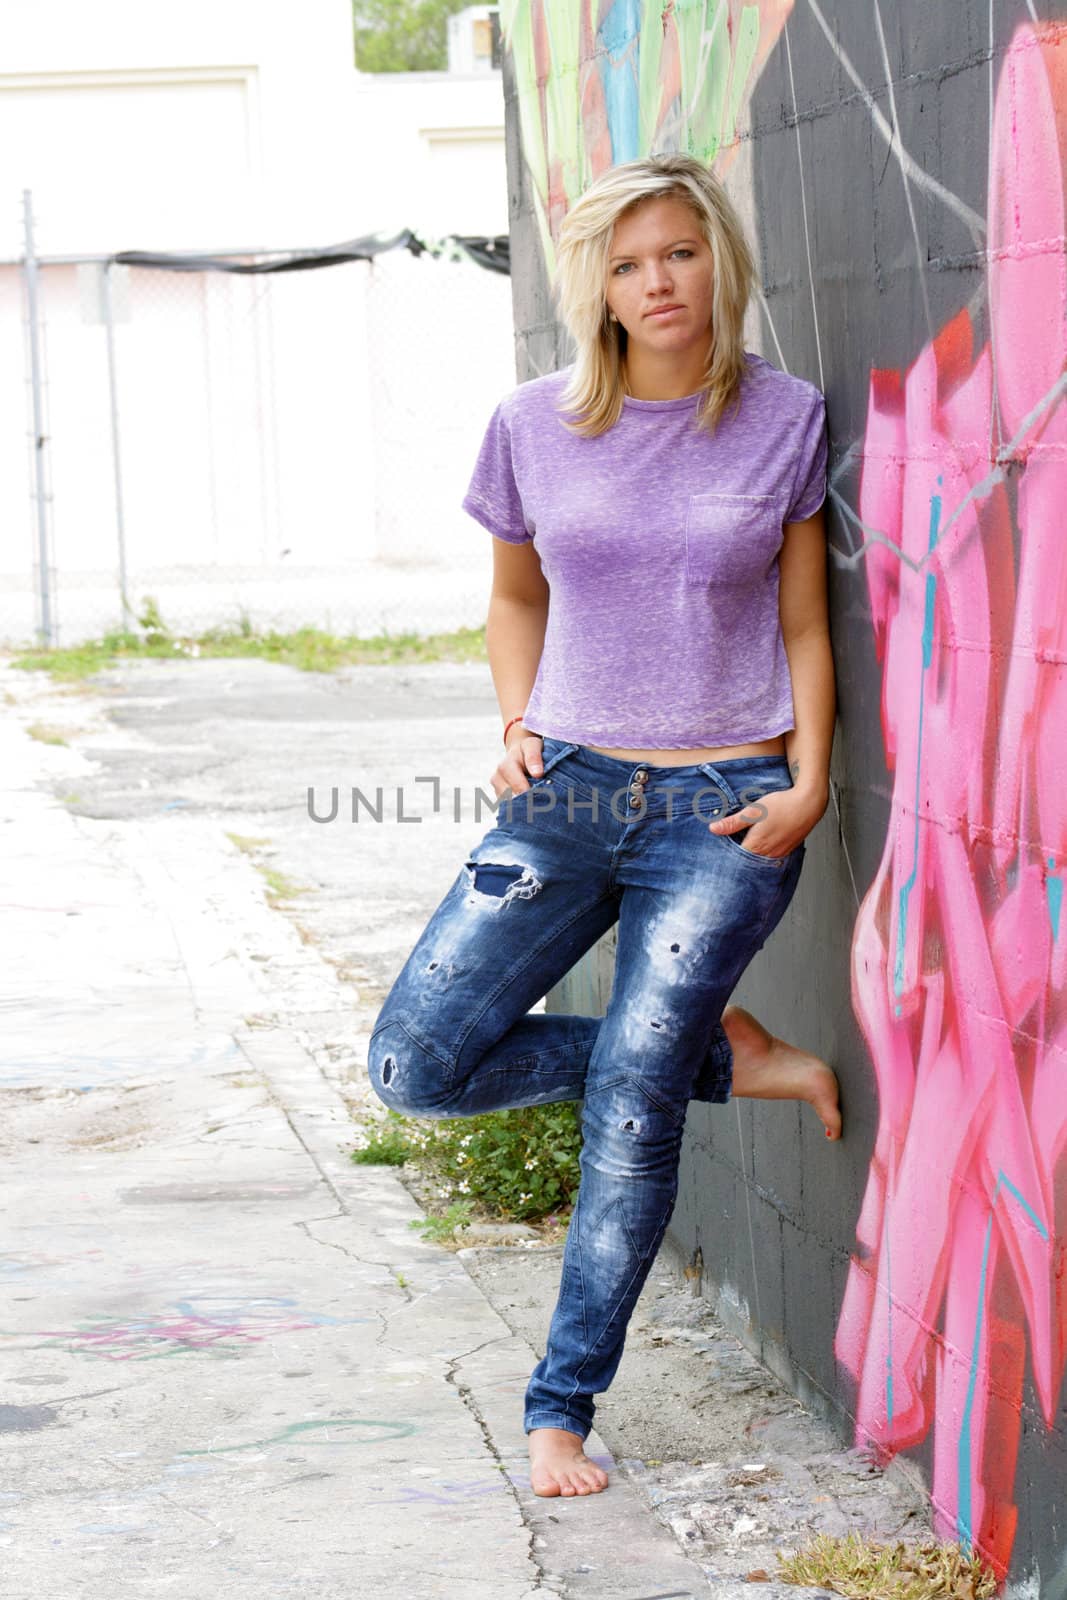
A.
pixel 901 169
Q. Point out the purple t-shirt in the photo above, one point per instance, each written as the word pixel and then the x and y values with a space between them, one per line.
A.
pixel 660 547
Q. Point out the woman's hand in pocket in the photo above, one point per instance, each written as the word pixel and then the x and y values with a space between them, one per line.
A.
pixel 521 763
pixel 778 822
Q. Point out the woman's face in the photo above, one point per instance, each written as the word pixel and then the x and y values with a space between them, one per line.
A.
pixel 658 258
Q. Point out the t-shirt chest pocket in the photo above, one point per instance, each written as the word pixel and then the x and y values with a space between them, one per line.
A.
pixel 730 538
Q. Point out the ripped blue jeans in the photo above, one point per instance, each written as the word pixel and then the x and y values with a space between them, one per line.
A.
pixel 595 840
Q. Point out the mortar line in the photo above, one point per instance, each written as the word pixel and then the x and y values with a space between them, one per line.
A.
pixel 748 1208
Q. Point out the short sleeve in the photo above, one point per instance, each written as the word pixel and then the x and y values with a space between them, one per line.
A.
pixel 492 496
pixel 809 487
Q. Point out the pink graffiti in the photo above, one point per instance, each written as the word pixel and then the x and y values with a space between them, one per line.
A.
pixel 958 955
pixel 195 1327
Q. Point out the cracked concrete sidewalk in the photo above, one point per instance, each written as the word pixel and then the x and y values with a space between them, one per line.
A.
pixel 229 1365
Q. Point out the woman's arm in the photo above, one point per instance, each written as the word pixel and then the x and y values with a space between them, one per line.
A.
pixel 514 638
pixel 786 816
pixel 804 612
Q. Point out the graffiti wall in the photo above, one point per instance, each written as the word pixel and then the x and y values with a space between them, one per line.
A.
pixel 901 168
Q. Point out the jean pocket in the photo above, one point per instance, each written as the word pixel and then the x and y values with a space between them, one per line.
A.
pixel 552 753
pixel 750 795
pixel 775 863
pixel 731 538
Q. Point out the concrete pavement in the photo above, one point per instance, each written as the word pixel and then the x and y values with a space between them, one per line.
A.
pixel 227 1361
pixel 229 1366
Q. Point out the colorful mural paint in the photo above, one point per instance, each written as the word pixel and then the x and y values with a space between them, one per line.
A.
pixel 604 81
pixel 217 1326
pixel 955 1302
pixel 958 960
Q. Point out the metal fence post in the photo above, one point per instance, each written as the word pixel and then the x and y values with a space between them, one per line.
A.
pixel 47 627
pixel 116 454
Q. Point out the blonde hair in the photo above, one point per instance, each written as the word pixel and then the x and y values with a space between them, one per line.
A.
pixel 595 391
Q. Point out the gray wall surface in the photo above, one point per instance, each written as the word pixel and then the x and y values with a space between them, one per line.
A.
pixel 901 172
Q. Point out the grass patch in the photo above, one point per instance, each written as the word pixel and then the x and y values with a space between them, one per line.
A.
pixel 279 887
pixel 857 1567
pixel 518 1165
pixel 245 843
pixel 310 649
pixel 79 661
pixel 44 734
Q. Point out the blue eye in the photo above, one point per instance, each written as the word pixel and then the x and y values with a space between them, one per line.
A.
pixel 682 250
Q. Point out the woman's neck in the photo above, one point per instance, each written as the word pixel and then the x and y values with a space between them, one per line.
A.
pixel 668 380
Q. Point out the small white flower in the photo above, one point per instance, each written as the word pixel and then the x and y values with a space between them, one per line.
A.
pixel 460 1156
pixel 464 1187
pixel 530 1165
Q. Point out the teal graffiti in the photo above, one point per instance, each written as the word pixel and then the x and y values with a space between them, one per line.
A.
pixel 927 658
pixel 390 1430
pixel 1054 892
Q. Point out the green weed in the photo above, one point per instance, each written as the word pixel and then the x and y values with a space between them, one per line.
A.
pixel 447 1224
pixel 519 1165
pixel 388 1147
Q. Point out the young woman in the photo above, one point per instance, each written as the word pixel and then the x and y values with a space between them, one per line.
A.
pixel 659 644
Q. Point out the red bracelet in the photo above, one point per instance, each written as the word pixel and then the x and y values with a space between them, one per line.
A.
pixel 508 725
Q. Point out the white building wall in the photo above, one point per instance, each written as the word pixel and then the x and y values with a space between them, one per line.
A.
pixel 432 147
pixel 194 125
pixel 235 124
pixel 305 420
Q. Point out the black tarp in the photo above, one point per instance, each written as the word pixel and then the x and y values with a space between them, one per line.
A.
pixel 490 252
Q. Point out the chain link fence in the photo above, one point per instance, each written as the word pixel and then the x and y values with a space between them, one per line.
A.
pixel 222 450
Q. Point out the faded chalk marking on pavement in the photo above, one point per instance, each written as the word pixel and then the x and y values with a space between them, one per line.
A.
pixel 392 1430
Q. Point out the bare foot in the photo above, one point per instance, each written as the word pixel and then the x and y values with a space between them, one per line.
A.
pixel 767 1068
pixel 559 1465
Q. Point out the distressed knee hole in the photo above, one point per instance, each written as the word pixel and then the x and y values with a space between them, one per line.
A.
pixel 631 1125
pixel 501 882
pixel 446 970
pixel 388 1068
